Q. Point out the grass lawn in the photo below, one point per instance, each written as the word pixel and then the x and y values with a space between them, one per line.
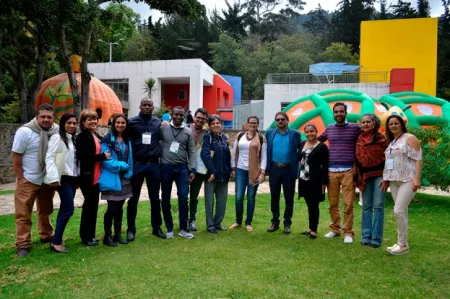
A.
pixel 7 192
pixel 237 264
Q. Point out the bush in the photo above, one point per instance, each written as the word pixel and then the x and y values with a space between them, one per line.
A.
pixel 436 155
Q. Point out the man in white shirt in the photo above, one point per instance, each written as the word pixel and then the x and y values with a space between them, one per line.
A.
pixel 28 157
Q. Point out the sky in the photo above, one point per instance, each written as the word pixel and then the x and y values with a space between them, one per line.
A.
pixel 330 5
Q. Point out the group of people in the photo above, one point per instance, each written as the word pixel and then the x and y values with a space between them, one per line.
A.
pixel 48 158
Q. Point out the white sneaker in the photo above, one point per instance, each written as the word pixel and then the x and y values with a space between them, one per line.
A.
pixel 186 234
pixel 169 235
pixel 391 247
pixel 398 250
pixel 330 235
pixel 348 239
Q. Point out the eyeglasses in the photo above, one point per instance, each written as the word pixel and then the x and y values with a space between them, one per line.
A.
pixel 200 118
pixel 253 124
pixel 280 119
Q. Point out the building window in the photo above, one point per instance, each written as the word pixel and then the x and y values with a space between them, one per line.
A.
pixel 182 95
pixel 120 88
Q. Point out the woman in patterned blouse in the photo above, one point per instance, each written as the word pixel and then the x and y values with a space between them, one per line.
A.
pixel 402 174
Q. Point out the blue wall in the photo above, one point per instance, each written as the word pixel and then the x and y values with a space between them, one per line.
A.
pixel 236 83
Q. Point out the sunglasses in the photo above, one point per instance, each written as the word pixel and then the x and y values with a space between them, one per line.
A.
pixel 280 119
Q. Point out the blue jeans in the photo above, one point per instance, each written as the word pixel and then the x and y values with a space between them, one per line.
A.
pixel 242 184
pixel 179 174
pixel 152 174
pixel 66 193
pixel 373 212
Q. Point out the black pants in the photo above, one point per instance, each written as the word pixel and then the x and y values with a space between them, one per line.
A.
pixel 152 175
pixel 113 212
pixel 312 201
pixel 281 177
pixel 195 187
pixel 91 194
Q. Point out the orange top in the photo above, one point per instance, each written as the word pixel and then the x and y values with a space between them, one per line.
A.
pixel 97 166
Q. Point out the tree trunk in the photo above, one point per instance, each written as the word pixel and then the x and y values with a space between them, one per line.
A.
pixel 67 63
pixel 41 64
pixel 23 92
pixel 85 75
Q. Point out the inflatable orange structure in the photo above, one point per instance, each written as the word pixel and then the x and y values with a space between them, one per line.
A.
pixel 56 91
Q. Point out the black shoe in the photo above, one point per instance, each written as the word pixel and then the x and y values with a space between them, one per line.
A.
pixel 45 241
pixel 287 229
pixel 89 243
pixel 159 233
pixel 312 236
pixel 130 236
pixel 118 239
pixel 365 243
pixel 221 227
pixel 23 252
pixel 96 241
pixel 212 230
pixel 374 245
pixel 52 248
pixel 273 228
pixel 305 233
pixel 108 241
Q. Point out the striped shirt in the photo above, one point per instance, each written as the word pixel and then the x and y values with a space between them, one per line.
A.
pixel 342 143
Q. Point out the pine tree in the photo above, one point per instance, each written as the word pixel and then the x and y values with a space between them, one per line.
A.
pixel 423 8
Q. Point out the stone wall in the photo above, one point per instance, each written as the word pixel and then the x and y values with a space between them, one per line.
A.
pixel 7 132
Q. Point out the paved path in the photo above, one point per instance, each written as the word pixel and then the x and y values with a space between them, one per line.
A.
pixel 7 201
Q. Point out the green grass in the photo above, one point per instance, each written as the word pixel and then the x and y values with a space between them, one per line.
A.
pixel 7 192
pixel 237 264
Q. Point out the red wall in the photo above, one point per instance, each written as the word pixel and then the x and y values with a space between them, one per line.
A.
pixel 402 80
pixel 170 95
pixel 213 97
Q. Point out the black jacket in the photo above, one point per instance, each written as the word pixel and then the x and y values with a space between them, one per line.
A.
pixel 137 126
pixel 85 152
pixel 318 172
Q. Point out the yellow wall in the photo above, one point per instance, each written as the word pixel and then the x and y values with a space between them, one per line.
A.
pixel 407 43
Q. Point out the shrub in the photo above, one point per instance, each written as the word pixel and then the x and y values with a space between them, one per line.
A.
pixel 435 143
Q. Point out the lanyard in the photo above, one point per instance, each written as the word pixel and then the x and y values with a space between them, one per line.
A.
pixel 392 144
pixel 175 136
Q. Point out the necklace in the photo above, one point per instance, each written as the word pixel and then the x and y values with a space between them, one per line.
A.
pixel 249 139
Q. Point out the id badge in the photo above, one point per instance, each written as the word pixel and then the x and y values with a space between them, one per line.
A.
pixel 390 164
pixel 146 138
pixel 174 147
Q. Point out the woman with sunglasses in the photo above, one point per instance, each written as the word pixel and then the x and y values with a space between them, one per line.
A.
pixel 61 172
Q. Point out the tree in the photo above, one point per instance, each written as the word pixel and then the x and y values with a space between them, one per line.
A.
pixel 141 46
pixel 339 52
pixel 383 14
pixel 224 53
pixel 423 9
pixel 443 71
pixel 26 30
pixel 233 20
pixel 403 10
pixel 318 23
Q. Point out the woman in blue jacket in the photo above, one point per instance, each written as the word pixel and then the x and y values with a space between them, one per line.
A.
pixel 115 178
pixel 217 158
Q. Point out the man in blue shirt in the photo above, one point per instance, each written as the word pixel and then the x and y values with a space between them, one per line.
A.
pixel 283 156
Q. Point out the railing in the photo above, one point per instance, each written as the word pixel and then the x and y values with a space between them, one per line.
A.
pixel 348 77
pixel 221 104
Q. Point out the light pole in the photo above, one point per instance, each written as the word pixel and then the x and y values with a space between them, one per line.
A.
pixel 110 47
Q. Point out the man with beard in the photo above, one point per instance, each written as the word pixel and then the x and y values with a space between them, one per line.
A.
pixel 198 131
pixel 145 137
pixel 28 156
pixel 342 137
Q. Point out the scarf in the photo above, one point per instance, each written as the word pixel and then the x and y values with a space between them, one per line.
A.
pixel 369 160
pixel 43 142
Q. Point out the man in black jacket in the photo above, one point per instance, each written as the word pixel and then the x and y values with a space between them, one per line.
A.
pixel 145 136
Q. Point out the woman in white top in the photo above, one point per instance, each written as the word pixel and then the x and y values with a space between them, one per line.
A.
pixel 61 172
pixel 402 174
pixel 248 163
